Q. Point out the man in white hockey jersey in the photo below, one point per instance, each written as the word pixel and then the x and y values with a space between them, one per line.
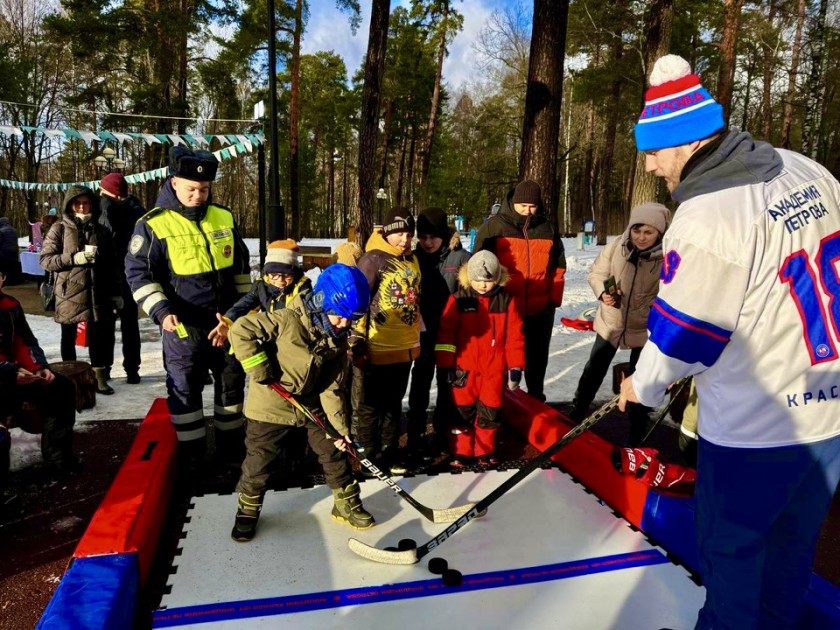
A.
pixel 750 304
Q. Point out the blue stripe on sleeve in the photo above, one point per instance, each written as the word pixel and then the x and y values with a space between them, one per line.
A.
pixel 683 337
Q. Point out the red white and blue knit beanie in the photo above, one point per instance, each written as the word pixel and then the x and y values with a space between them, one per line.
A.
pixel 678 109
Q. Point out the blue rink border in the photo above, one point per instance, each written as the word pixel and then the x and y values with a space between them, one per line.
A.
pixel 271 606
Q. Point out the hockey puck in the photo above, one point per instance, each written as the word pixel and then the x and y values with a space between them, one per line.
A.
pixel 452 577
pixel 407 543
pixel 438 566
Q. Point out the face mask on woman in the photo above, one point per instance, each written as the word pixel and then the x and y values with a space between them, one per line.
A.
pixel 82 218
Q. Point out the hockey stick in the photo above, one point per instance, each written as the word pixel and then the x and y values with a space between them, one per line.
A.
pixel 679 387
pixel 447 515
pixel 411 556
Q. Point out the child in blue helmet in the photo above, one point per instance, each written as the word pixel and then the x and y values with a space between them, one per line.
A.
pixel 304 348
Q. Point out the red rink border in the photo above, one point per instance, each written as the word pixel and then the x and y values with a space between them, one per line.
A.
pixel 112 560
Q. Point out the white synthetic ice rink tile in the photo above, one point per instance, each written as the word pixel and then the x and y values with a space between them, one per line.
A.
pixel 547 519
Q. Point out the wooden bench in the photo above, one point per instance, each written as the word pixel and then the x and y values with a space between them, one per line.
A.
pixel 320 256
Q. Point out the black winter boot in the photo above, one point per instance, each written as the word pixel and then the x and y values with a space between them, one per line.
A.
pixel 247 514
pixel 348 507
pixel 102 386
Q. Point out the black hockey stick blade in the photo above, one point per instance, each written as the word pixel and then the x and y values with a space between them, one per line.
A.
pixel 411 556
pixel 676 390
pixel 445 515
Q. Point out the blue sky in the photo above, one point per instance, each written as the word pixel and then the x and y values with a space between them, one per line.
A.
pixel 329 29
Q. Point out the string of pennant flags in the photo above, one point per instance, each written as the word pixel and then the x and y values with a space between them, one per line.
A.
pixel 237 144
pixel 186 139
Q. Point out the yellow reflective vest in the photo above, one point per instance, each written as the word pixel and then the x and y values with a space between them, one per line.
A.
pixel 196 248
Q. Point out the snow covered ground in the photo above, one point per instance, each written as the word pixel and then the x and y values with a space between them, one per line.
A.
pixel 568 353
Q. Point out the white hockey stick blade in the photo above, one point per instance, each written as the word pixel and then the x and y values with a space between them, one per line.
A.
pixel 450 515
pixel 408 556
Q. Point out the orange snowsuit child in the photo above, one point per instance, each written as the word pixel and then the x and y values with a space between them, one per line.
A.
pixel 482 345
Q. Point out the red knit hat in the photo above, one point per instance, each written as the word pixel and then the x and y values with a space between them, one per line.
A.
pixel 115 184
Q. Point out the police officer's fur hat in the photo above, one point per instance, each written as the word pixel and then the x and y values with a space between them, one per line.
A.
pixel 197 166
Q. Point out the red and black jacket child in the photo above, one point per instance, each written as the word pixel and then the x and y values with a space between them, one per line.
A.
pixel 482 345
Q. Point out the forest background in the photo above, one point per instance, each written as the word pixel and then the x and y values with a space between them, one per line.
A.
pixel 554 89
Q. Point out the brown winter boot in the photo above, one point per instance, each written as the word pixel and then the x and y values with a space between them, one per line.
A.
pixel 348 507
pixel 247 514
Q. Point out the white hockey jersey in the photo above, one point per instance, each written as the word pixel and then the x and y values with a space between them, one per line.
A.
pixel 749 300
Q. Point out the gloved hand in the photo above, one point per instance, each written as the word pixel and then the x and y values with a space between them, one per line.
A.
pixel 456 377
pixel 83 258
pixel 118 303
pixel 633 461
pixel 359 354
pixel 514 378
pixel 448 375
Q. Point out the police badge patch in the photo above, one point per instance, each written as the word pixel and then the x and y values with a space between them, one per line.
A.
pixel 227 251
pixel 135 244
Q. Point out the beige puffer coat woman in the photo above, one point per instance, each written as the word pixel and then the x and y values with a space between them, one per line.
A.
pixel 626 326
pixel 82 292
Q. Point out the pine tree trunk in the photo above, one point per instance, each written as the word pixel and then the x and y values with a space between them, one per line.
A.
pixel 409 176
pixel 543 100
pixel 726 72
pixel 745 124
pixel 388 109
pixel 371 93
pixel 795 53
pixel 814 96
pixel 659 24
pixel 586 208
pixel 602 201
pixel 769 68
pixel 294 123
pixel 345 192
pixel 426 149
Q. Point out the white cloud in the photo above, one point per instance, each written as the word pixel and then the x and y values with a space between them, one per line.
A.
pixel 329 29
pixel 460 66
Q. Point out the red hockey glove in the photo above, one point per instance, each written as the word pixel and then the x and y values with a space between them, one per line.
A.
pixel 671 477
pixel 633 461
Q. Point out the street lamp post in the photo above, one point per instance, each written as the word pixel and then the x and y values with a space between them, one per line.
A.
pixel 108 161
pixel 381 196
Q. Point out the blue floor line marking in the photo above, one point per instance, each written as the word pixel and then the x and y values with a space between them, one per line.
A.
pixel 271 606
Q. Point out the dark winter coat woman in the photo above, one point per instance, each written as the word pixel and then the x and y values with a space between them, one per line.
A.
pixel 9 250
pixel 633 261
pixel 80 253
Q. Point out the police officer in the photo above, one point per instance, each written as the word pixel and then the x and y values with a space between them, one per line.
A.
pixel 187 264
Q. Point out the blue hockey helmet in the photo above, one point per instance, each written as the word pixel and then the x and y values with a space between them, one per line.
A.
pixel 345 289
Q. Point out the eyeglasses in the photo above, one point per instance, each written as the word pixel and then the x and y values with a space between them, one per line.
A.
pixel 279 276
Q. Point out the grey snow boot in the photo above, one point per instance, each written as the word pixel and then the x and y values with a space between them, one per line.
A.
pixel 247 514
pixel 348 507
